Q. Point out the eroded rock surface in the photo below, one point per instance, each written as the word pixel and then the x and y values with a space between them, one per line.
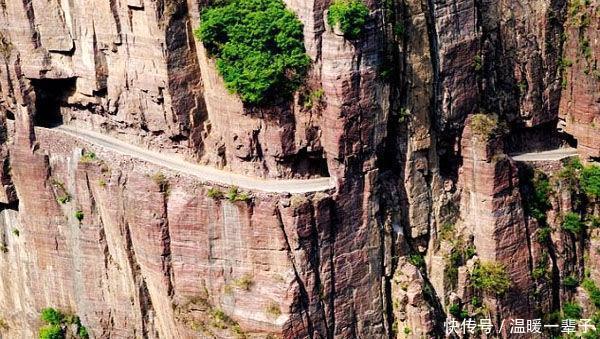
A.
pixel 421 197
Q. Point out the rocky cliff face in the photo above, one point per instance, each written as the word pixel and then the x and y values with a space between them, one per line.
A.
pixel 415 124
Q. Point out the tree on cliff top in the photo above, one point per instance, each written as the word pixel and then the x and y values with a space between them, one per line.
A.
pixel 350 15
pixel 259 48
pixel 487 126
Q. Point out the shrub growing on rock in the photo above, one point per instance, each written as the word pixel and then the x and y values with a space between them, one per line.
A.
pixel 350 15
pixel 52 332
pixel 214 193
pixel 417 260
pixel 572 311
pixel 593 291
pixel 572 223
pixel 259 48
pixel 88 157
pixel 590 181
pixel 79 215
pixel 58 325
pixel 571 282
pixel 539 202
pixel 491 277
pixel 486 126
pixel 52 316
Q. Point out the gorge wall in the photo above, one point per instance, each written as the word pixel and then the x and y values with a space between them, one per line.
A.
pixel 415 125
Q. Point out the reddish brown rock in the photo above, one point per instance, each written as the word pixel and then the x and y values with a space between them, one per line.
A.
pixel 491 210
pixel 580 101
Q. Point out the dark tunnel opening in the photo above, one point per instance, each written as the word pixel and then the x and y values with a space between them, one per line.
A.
pixel 51 95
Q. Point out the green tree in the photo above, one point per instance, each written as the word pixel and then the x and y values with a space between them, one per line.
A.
pixel 52 332
pixel 572 311
pixel 572 223
pixel 491 277
pixel 590 181
pixel 350 15
pixel 52 316
pixel 539 202
pixel 259 48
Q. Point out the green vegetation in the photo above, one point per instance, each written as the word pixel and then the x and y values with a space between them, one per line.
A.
pixel 458 256
pixel 259 48
pixel 486 126
pixel 3 324
pixel 63 196
pixel 539 272
pixel 52 316
pixel 470 252
pixel 52 332
pixel 79 215
pixel 404 114
pixel 522 86
pixel 447 231
pixel 220 319
pixel 407 330
pixel 564 63
pixel 417 260
pixel 245 282
pixel 477 63
pixel 593 221
pixel 88 157
pixel 399 30
pixel 593 334
pixel 572 223
pixel 6 46
pixel 543 235
pixel 585 48
pixel 350 15
pixel 570 282
pixel 569 174
pixel 490 277
pixel 539 203
pixel 572 311
pixel 590 181
pixel 273 309
pixel 454 309
pixel 16 232
pixel 214 193
pixel 457 311
pixel 82 332
pixel 593 291
pixel 564 83
pixel 575 175
pixel 160 179
pixel 102 183
pixel 313 98
pixel 234 195
pixel 57 325
pixel 63 199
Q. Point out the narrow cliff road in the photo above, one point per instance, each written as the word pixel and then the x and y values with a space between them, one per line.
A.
pixel 206 173
pixel 552 155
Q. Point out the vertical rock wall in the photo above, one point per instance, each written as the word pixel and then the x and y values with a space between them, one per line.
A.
pixel 161 259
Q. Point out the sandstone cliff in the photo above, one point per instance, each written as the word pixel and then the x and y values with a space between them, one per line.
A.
pixel 415 125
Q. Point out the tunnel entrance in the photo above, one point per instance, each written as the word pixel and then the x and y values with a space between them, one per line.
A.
pixel 307 164
pixel 51 95
pixel 569 140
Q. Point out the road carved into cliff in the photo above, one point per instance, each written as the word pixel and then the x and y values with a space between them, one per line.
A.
pixel 551 155
pixel 206 173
